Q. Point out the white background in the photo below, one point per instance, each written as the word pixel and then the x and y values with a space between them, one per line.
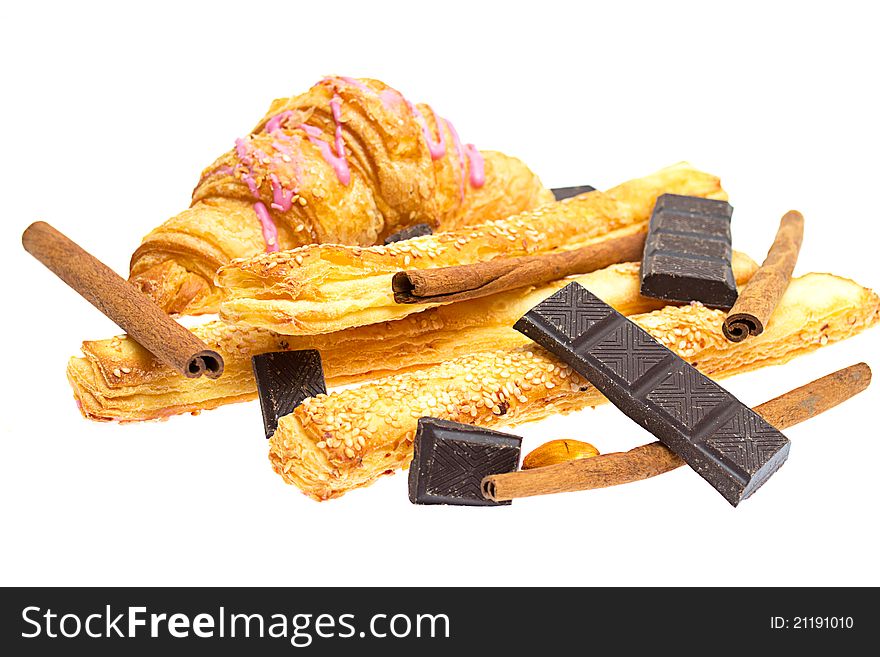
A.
pixel 109 114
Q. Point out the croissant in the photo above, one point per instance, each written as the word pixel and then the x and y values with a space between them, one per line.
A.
pixel 324 288
pixel 349 162
pixel 347 439
pixel 117 379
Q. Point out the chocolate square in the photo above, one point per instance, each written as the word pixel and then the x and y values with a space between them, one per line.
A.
pixel 451 459
pixel 416 230
pixel 284 380
pixel 688 252
pixel 560 193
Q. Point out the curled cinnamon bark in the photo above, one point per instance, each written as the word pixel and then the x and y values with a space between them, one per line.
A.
pixel 480 279
pixel 132 311
pixel 758 300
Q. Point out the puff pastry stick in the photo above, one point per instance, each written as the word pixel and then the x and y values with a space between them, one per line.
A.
pixel 350 161
pixel 119 380
pixel 325 288
pixel 333 443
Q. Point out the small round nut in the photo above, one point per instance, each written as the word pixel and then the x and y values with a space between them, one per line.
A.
pixel 558 451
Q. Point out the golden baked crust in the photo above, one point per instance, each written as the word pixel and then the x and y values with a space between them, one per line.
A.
pixel 400 164
pixel 117 379
pixel 324 288
pixel 347 439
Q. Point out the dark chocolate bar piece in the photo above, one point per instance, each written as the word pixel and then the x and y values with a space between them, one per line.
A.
pixel 727 443
pixel 451 459
pixel 687 253
pixel 567 192
pixel 417 230
pixel 284 380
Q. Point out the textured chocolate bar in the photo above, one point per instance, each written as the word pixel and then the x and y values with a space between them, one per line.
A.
pixel 284 380
pixel 560 193
pixel 450 460
pixel 687 252
pixel 417 230
pixel 727 443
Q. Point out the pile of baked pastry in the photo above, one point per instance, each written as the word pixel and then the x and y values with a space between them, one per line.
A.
pixel 281 240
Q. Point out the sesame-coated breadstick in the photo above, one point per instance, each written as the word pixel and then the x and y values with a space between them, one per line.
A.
pixel 322 288
pixel 333 443
pixel 118 380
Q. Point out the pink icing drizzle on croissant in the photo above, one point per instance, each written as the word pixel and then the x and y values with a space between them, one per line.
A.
pixel 477 165
pixel 244 156
pixel 391 98
pixel 336 160
pixel 470 161
pixel 282 198
pixel 352 81
pixel 270 230
pixel 267 226
pixel 459 149
pixel 276 121
pixel 436 148
pixel 475 171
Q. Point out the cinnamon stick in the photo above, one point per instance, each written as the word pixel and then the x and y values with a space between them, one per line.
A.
pixel 462 282
pixel 128 307
pixel 758 300
pixel 655 458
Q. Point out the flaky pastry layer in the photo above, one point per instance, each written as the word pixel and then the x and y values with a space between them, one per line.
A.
pixel 347 439
pixel 117 379
pixel 324 288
